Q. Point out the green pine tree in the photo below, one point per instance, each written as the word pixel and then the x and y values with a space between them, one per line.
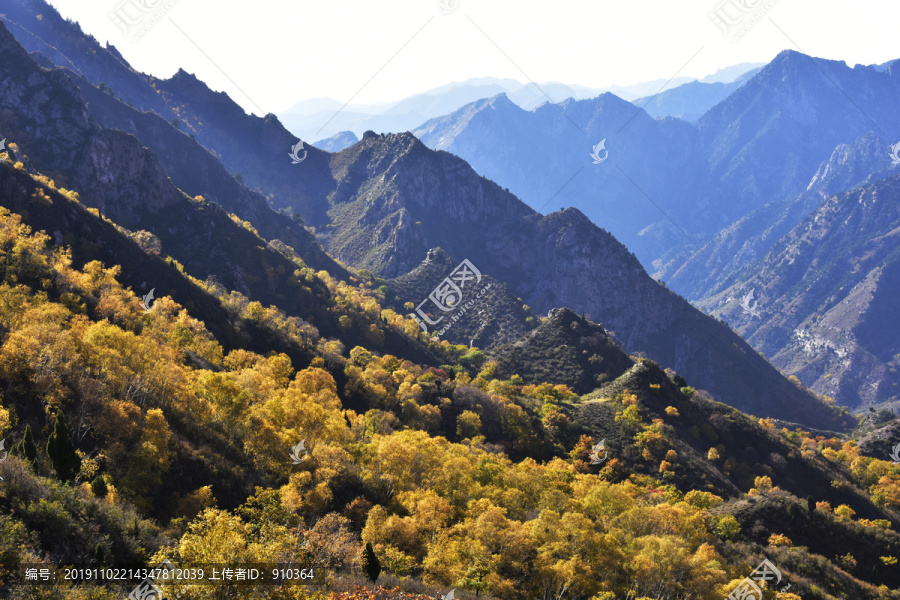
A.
pixel 65 460
pixel 98 554
pixel 371 566
pixel 98 487
pixel 26 449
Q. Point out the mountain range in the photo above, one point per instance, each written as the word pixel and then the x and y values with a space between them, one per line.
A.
pixel 221 343
pixel 322 118
pixel 648 192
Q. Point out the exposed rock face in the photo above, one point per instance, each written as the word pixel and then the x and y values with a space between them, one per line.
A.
pixel 398 199
pixel 45 114
pixel 827 296
pixel 748 240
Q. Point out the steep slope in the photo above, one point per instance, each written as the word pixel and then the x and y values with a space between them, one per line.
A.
pixel 696 425
pixel 826 297
pixel 256 147
pixel 197 172
pixel 543 156
pixel 397 199
pixel 45 117
pixel 90 237
pixel 786 131
pixel 38 27
pixel 650 426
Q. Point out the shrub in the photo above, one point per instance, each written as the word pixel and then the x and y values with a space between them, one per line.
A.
pixel 727 527
pixel 844 512
pixel 763 484
pixel 98 487
pixel 26 449
pixel 847 561
pixel 701 499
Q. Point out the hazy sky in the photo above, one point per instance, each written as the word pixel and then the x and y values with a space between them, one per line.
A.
pixel 269 54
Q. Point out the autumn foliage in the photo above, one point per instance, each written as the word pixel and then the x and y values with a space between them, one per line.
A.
pixel 447 476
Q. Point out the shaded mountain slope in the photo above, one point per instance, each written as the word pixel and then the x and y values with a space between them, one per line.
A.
pixel 256 147
pixel 198 173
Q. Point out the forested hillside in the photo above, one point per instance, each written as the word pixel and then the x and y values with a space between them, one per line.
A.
pixel 180 443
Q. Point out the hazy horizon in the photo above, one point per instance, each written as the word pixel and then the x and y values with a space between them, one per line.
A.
pixel 333 53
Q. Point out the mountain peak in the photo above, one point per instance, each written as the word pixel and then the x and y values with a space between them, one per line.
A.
pixel 584 354
pixel 188 82
pixel 182 75
pixel 793 61
pixel 561 315
pixel 501 99
pixel 438 257
pixel 572 217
